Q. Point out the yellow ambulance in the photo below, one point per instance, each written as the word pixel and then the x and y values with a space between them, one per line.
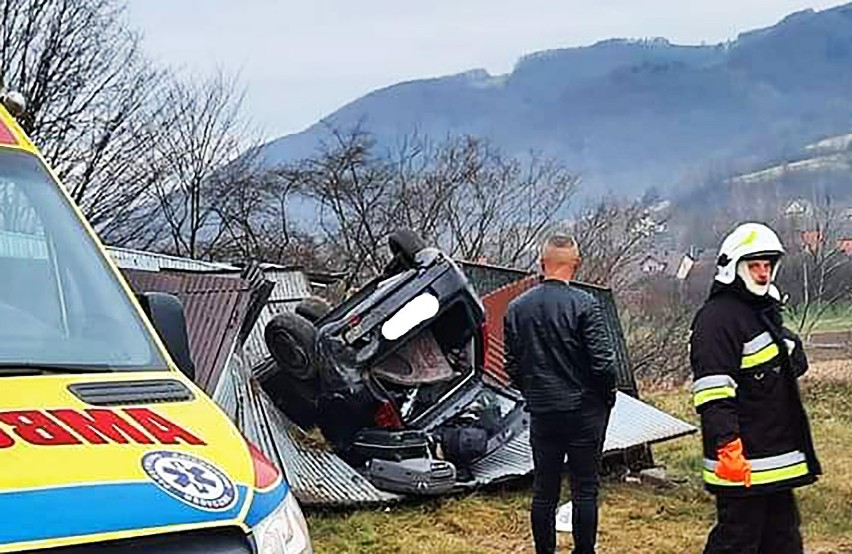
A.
pixel 105 445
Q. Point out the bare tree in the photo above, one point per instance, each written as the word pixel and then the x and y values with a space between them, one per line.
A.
pixel 460 194
pixel 614 238
pixel 817 270
pixel 89 97
pixel 252 207
pixel 198 133
pixel 501 211
pixel 656 324
pixel 65 56
pixel 352 188
pixel 426 176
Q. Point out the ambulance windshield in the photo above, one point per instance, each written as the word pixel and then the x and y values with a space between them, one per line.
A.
pixel 60 305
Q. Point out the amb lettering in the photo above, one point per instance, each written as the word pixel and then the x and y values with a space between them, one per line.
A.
pixel 64 427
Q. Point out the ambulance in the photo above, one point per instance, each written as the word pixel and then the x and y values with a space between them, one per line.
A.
pixel 106 444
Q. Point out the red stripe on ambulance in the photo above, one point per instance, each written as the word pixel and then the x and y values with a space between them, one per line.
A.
pixel 63 427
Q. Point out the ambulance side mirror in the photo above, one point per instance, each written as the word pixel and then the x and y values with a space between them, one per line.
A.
pixel 165 311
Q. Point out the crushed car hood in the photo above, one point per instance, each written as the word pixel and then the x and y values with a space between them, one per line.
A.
pixel 110 456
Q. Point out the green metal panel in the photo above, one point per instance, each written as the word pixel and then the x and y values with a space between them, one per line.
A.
pixel 486 279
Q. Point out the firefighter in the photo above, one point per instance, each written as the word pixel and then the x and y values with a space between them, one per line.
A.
pixel 756 436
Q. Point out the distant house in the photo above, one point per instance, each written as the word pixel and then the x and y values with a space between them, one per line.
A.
pixel 798 207
pixel 653 265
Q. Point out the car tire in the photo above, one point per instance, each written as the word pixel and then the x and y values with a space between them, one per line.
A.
pixel 313 309
pixel 405 243
pixel 297 398
pixel 291 339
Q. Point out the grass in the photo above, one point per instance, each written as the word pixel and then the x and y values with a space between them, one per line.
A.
pixel 634 518
pixel 834 318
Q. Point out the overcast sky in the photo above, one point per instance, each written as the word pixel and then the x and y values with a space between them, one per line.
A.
pixel 300 61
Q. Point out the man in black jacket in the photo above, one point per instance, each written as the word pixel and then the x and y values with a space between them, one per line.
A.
pixel 757 440
pixel 559 355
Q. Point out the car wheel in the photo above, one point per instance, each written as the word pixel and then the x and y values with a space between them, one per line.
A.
pixel 405 244
pixel 313 309
pixel 290 339
pixel 296 398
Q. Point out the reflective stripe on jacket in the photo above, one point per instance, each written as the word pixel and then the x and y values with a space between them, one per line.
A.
pixel 745 365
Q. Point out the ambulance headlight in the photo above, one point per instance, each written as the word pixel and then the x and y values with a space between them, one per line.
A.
pixel 284 531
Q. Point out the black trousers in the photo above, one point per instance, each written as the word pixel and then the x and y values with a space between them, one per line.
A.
pixel 580 436
pixel 763 524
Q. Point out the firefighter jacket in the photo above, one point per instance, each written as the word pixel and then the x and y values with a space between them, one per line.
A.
pixel 745 367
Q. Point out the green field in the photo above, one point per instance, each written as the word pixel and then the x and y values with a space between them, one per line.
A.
pixel 833 318
pixel 634 518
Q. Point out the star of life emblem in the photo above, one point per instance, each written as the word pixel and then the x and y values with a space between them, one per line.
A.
pixel 191 480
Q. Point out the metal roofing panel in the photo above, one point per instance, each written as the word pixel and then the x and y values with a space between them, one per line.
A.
pixel 319 477
pixel 632 423
pixel 290 285
pixel 151 261
pixel 488 278
pixel 215 307
pixel 496 304
pixel 225 394
pixel 514 459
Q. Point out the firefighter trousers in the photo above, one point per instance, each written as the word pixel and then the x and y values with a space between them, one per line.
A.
pixel 760 524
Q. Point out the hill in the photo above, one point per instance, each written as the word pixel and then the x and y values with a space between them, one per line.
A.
pixel 631 114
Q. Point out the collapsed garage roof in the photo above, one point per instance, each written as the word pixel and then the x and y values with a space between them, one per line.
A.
pixel 220 305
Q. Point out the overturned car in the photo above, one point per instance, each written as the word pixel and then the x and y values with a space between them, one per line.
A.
pixel 396 378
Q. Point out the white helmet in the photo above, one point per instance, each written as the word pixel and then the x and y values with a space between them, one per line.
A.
pixel 748 241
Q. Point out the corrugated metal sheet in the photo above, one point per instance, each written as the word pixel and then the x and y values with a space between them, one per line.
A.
pixel 497 302
pixel 150 261
pixel 626 378
pixel 632 424
pixel 318 477
pixel 225 394
pixel 486 279
pixel 215 307
pixel 290 285
pixel 514 459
